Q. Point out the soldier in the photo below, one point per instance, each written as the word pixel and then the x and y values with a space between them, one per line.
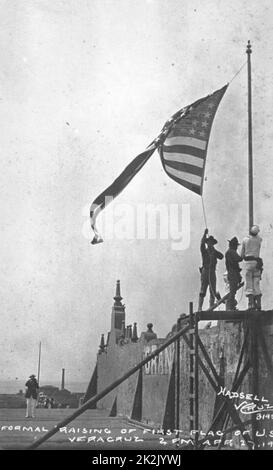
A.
pixel 250 253
pixel 208 274
pixel 233 272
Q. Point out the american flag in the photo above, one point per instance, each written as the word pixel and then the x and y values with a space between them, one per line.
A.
pixel 182 144
pixel 184 150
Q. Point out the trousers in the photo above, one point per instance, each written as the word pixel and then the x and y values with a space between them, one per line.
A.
pixel 234 279
pixel 253 277
pixel 31 405
pixel 208 279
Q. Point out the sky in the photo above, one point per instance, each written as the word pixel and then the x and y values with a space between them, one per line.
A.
pixel 86 85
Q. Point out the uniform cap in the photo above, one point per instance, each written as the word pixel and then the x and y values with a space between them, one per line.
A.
pixel 234 241
pixel 212 240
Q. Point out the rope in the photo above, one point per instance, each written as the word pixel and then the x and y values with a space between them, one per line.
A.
pixel 234 76
pixel 203 206
pixel 204 212
pixel 237 73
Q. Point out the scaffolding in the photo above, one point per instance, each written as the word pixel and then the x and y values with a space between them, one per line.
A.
pixel 226 416
pixel 248 361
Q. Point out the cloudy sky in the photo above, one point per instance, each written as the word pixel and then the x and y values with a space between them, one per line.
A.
pixel 85 86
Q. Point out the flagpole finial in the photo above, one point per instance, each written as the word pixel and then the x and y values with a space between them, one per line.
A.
pixel 248 47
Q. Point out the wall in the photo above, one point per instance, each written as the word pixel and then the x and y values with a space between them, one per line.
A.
pixel 223 344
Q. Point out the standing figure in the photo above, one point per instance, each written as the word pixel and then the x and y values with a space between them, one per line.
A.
pixel 31 396
pixel 250 253
pixel 233 272
pixel 208 274
pixel 46 402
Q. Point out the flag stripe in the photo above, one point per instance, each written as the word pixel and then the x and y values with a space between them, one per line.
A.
pixel 185 149
pixel 185 167
pixel 181 175
pixel 117 186
pixel 184 158
pixel 192 187
pixel 183 153
pixel 190 141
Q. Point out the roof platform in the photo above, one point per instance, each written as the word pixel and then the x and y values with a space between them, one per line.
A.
pixel 229 315
pixel 234 315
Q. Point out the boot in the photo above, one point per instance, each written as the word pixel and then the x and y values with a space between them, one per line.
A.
pixel 229 305
pixel 200 304
pixel 257 302
pixel 218 296
pixel 251 305
pixel 211 301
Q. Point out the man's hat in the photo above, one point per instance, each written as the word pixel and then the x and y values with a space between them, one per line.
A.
pixel 212 240
pixel 234 241
pixel 32 375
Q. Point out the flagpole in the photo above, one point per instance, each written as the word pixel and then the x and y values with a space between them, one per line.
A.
pixel 250 153
pixel 39 362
